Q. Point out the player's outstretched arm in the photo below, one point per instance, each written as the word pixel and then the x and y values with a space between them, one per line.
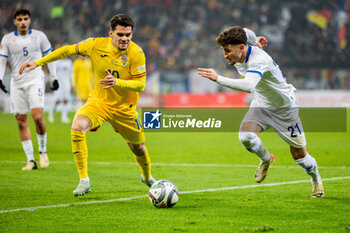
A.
pixel 60 53
pixel 247 84
pixel 208 73
pixel 29 65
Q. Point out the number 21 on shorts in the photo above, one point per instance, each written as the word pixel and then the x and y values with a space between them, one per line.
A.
pixel 294 130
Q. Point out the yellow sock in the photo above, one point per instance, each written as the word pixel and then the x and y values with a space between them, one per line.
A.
pixel 80 152
pixel 144 163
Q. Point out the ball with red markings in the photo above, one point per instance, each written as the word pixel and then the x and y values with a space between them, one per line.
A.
pixel 163 194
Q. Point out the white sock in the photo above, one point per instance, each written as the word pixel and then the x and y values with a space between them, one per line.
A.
pixel 85 179
pixel 64 111
pixel 52 110
pixel 253 144
pixel 309 164
pixel 42 141
pixel 263 154
pixel 28 149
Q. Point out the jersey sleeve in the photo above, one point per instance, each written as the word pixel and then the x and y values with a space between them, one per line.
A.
pixel 45 44
pixel 84 47
pixel 3 48
pixel 3 57
pixel 138 65
pixel 251 37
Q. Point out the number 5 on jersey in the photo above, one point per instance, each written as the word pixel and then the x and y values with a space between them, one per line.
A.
pixel 25 51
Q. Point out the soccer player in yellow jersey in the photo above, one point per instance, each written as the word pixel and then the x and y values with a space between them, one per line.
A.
pixel 82 78
pixel 120 74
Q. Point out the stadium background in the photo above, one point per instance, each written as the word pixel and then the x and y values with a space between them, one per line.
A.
pixel 309 40
pixel 213 171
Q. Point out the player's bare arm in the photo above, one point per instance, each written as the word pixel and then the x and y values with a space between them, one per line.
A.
pixel 208 73
pixel 29 65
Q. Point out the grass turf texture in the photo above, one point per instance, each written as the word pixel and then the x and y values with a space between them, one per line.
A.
pixel 113 174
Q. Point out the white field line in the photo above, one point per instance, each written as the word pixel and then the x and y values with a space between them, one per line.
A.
pixel 179 164
pixel 184 192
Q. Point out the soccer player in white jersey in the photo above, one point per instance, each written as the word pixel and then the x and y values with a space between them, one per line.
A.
pixel 274 104
pixel 27 90
pixel 64 69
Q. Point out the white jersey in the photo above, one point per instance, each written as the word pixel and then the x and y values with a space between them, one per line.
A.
pixel 19 49
pixel 272 91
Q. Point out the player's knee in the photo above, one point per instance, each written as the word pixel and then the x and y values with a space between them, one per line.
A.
pixel 246 138
pixel 22 121
pixel 22 124
pixel 81 125
pixel 249 140
pixel 38 118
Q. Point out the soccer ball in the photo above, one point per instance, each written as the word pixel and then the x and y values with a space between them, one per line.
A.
pixel 163 194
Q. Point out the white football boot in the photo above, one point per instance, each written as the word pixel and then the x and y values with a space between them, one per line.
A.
pixel 82 188
pixel 149 182
pixel 317 190
pixel 261 171
pixel 51 117
pixel 31 165
pixel 65 120
pixel 44 160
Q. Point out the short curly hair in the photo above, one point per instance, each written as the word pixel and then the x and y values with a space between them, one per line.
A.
pixel 233 35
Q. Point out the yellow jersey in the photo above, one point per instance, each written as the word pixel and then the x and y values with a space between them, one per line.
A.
pixel 82 77
pixel 127 66
pixel 122 64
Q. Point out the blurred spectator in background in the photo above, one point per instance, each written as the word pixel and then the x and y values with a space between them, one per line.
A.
pixel 64 69
pixel 178 35
pixel 82 78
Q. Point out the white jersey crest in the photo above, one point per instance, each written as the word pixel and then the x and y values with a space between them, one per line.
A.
pixel 272 91
pixel 19 49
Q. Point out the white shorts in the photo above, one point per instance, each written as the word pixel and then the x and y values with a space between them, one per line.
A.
pixel 287 124
pixel 23 99
pixel 64 90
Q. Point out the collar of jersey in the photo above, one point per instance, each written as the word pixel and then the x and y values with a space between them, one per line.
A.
pixel 114 49
pixel 248 53
pixel 29 32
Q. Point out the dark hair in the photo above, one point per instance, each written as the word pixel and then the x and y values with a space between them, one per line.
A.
pixel 122 20
pixel 233 35
pixel 21 12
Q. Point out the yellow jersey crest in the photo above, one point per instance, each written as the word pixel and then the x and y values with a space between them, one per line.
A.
pixel 124 60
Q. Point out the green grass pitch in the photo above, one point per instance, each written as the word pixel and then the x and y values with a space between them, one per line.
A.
pixel 209 162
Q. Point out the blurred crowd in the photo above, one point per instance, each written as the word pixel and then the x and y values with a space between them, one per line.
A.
pixel 306 38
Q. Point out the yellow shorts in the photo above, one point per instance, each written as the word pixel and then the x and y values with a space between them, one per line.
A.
pixel 129 127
